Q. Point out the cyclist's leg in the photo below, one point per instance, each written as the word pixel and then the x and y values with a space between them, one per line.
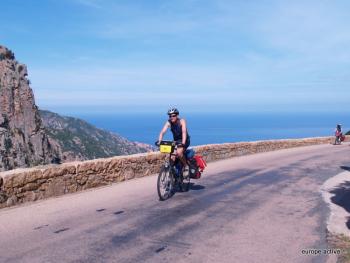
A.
pixel 180 154
pixel 187 144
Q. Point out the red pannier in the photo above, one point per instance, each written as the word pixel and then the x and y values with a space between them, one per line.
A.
pixel 201 164
pixel 196 166
pixel 342 138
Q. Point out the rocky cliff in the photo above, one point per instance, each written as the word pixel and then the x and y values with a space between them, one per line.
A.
pixel 23 140
pixel 29 137
pixel 80 140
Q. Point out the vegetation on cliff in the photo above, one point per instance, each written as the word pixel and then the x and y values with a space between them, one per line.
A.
pixel 80 140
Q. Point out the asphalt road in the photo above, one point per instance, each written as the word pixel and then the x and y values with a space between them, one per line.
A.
pixel 260 208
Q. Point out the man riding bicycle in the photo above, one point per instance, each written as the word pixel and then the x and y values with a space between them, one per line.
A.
pixel 180 134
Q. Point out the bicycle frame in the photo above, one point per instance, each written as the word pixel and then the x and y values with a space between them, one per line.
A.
pixel 170 162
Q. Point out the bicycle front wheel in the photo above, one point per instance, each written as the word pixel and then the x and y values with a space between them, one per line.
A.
pixel 165 183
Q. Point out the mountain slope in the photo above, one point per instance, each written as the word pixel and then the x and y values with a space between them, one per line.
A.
pixel 80 140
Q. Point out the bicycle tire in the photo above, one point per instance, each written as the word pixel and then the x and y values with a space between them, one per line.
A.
pixel 165 179
pixel 185 183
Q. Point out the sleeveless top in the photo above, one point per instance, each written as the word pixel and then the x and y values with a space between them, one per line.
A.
pixel 176 129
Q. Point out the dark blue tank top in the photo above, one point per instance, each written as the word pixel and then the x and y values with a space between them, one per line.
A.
pixel 176 129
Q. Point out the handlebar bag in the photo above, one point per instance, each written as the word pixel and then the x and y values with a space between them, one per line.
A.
pixel 166 147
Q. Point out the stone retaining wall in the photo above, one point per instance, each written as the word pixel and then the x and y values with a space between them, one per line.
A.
pixel 23 185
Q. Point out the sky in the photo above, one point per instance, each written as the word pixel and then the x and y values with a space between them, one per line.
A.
pixel 199 55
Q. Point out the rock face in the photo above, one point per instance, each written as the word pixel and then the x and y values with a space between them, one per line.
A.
pixel 80 140
pixel 23 140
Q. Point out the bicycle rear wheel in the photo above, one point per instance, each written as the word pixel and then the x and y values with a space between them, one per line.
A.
pixel 185 182
pixel 165 183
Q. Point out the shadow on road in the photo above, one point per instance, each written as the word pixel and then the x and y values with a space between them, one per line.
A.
pixel 346 168
pixel 196 187
pixel 342 197
pixel 348 222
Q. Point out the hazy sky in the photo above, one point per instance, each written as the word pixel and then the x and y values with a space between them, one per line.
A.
pixel 91 55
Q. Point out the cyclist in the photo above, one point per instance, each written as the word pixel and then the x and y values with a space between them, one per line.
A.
pixel 338 134
pixel 180 134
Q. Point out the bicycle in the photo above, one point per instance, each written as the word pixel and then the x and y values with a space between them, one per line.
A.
pixel 171 176
pixel 339 138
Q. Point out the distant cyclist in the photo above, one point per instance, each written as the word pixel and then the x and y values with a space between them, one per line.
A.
pixel 180 134
pixel 338 134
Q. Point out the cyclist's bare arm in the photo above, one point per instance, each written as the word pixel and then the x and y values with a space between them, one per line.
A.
pixel 184 131
pixel 163 131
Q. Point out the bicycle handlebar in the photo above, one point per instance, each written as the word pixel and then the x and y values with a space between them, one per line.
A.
pixel 175 143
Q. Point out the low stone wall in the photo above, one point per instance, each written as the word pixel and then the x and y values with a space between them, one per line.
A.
pixel 23 185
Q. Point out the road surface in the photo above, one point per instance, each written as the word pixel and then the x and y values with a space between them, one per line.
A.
pixel 260 208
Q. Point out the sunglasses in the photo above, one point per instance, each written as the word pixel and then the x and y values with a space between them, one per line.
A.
pixel 172 116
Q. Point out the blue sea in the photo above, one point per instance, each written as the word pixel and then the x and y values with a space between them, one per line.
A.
pixel 207 128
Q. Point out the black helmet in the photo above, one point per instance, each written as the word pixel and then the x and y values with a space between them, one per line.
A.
pixel 173 111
